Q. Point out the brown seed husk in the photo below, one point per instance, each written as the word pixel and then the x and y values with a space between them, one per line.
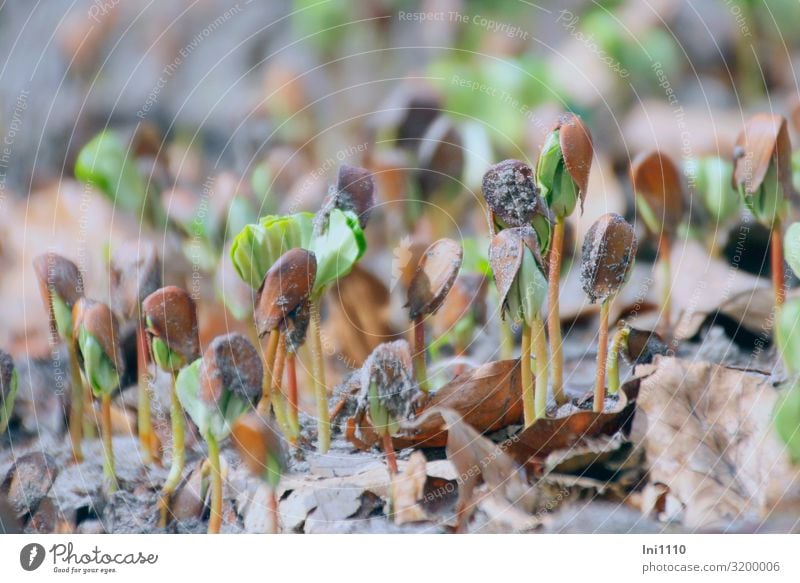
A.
pixel 99 321
pixel 437 270
pixel 505 256
pixel 643 346
pixel 286 287
pixel 389 366
pixel 577 149
pixel 172 316
pixel 58 275
pixel 763 140
pixel 657 180
pixel 230 363
pixel 354 191
pixel 510 191
pixel 135 272
pixel 255 437
pixel 608 253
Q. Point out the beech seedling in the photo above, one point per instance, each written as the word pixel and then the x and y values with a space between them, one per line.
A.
pixel 435 274
pixel 96 337
pixel 170 319
pixel 61 286
pixel 259 445
pixel 660 202
pixel 562 174
pixel 608 254
pixel 135 273
pixel 521 280
pixel 215 391
pixel 9 383
pixel 762 174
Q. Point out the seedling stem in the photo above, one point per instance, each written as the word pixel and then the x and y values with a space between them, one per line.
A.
pixel 602 356
pixel 76 407
pixel 215 519
pixel 539 341
pixel 320 388
pixel 528 405
pixel 664 248
pixel 420 368
pixel 776 256
pixel 108 450
pixel 553 321
pixel 178 450
pixel 146 437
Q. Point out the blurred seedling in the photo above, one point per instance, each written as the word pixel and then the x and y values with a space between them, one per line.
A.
pixel 259 445
pixel 562 175
pixel 388 394
pixel 787 337
pixel 713 177
pixel 435 274
pixel 660 202
pixel 521 280
pixel 61 286
pixel 763 176
pixel 96 337
pixel 135 273
pixel 215 391
pixel 282 308
pixel 9 383
pixel 170 318
pixel 609 251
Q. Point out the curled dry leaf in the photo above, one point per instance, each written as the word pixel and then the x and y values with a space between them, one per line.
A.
pixel 708 436
pixel 488 398
pixel 99 321
pixel 763 140
pixel 28 481
pixel 435 274
pixel 286 287
pixel 511 194
pixel 135 272
pixel 60 276
pixel 608 253
pixel 231 363
pixel 657 183
pixel 577 149
pixel 546 435
pixel 172 316
pixel 505 256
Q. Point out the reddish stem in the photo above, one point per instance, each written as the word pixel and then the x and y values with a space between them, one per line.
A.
pixel 776 261
pixel 291 373
pixel 272 511
pixel 391 458
pixel 420 368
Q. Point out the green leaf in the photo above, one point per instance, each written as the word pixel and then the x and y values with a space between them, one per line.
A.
pixel 338 249
pixel 787 335
pixel 7 398
pixel 215 421
pixel 98 368
pixel 164 357
pixel 104 164
pixel 713 181
pixel 528 292
pixel 63 317
pixel 475 258
pixel 768 204
pixel 791 244
pixel 787 421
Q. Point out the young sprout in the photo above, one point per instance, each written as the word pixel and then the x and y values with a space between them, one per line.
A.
pixel 659 200
pixel 437 270
pixel 636 346
pixel 562 174
pixel 388 393
pixel 95 334
pixel 762 174
pixel 259 445
pixel 170 319
pixel 521 280
pixel 609 251
pixel 61 286
pixel 9 382
pixel 215 391
pixel 282 308
pixel 135 273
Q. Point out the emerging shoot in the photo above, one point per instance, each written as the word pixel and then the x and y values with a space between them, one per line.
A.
pixel 563 178
pixel 96 337
pixel 9 383
pixel 61 286
pixel 436 272
pixel 521 280
pixel 609 251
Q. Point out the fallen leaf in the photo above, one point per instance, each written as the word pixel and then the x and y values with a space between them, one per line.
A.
pixel 708 437
pixel 408 489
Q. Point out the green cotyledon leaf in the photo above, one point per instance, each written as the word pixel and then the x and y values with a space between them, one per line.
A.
pixel 100 371
pixel 104 163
